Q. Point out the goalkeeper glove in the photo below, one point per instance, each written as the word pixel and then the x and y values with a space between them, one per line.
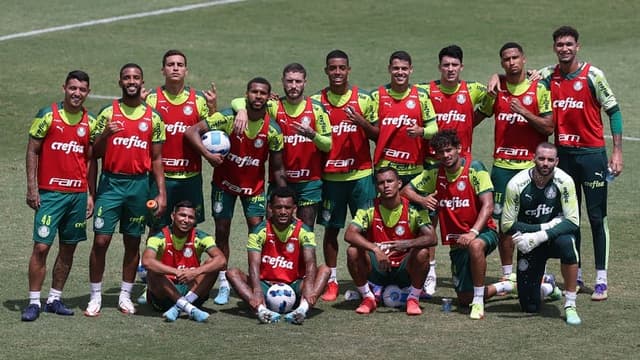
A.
pixel 525 242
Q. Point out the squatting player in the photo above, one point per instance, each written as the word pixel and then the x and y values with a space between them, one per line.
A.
pixel 281 250
pixel 541 212
pixel 58 160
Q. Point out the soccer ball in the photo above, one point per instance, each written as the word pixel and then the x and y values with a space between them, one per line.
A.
pixel 216 142
pixel 394 297
pixel 280 298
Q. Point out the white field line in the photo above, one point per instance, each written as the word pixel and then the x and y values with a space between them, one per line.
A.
pixel 117 18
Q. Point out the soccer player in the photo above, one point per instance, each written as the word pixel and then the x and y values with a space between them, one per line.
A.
pixel 130 146
pixel 522 113
pixel 307 138
pixel 347 179
pixel 541 212
pixel 177 279
pixel 281 250
pixel 579 91
pixel 464 199
pixel 454 101
pixel 389 244
pixel 180 107
pixel 242 173
pixel 406 118
pixel 57 161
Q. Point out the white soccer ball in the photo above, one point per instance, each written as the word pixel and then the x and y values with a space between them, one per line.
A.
pixel 394 297
pixel 280 298
pixel 216 142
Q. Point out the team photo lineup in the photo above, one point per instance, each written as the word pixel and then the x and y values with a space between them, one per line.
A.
pixel 391 167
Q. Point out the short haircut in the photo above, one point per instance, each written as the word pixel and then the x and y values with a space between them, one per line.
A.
pixel 77 75
pixel 453 51
pixel 385 169
pixel 184 204
pixel 400 55
pixel 565 31
pixel 444 138
pixel 547 145
pixel 510 45
pixel 283 192
pixel 131 65
pixel 337 54
pixel 171 53
pixel 294 67
pixel 259 80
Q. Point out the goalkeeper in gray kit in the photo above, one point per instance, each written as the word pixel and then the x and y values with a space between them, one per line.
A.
pixel 541 213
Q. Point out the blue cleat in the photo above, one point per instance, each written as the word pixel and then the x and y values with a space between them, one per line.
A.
pixel 295 317
pixel 199 315
pixel 57 307
pixel 172 314
pixel 223 296
pixel 572 316
pixel 30 313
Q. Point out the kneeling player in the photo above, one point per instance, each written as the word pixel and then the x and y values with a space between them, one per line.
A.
pixel 541 211
pixel 176 279
pixel 389 244
pixel 281 250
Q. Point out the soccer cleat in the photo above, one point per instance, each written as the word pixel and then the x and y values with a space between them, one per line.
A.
pixel 556 294
pixel 93 308
pixel 125 305
pixel 413 307
pixel 30 313
pixel 429 287
pixel 172 314
pixel 57 307
pixel 267 316
pixel 572 316
pixel 198 315
pixel 579 285
pixel 367 306
pixel 331 292
pixel 600 292
pixel 142 299
pixel 477 312
pixel 223 296
pixel 295 317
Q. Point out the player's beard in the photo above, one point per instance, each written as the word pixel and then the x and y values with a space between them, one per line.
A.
pixel 127 95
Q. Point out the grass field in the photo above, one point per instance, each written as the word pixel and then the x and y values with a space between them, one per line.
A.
pixel 230 43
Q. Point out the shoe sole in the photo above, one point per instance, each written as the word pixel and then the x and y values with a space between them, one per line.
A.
pixel 126 312
pixel 91 314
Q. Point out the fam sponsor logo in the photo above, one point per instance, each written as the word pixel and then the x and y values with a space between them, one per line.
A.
pixel 398 121
pixel 511 151
pixel 178 127
pixel 130 142
pixel 454 203
pixel 340 163
pixel 277 262
pixel 69 183
pixel 568 103
pixel 568 137
pixel 294 174
pixel 67 148
pixel 235 188
pixel 396 154
pixel 175 162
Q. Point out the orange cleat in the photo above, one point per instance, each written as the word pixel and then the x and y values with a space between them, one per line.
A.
pixel 367 306
pixel 413 307
pixel 331 292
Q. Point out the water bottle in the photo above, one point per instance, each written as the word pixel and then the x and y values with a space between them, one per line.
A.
pixel 610 176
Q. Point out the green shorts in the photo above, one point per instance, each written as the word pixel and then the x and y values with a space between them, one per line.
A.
pixel 121 198
pixel 337 195
pixel 396 276
pixel 179 190
pixel 308 193
pixel 61 213
pixel 164 304
pixel 223 204
pixel 460 264
pixel 500 177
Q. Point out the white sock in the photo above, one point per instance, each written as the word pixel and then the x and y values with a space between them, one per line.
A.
pixel 96 291
pixel 125 289
pixel 261 307
pixel 503 286
pixel 570 298
pixel 478 295
pixel 545 289
pixel 34 298
pixel 333 277
pixel 432 269
pixel 54 294
pixel 365 291
pixel 601 277
pixel 414 293
pixel 184 305
pixel 191 296
pixel 222 279
pixel 303 307
pixel 507 270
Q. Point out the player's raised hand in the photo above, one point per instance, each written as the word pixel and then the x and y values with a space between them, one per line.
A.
pixel 304 130
pixel 493 85
pixel 240 122
pixel 211 96
pixel 415 131
pixel 144 92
